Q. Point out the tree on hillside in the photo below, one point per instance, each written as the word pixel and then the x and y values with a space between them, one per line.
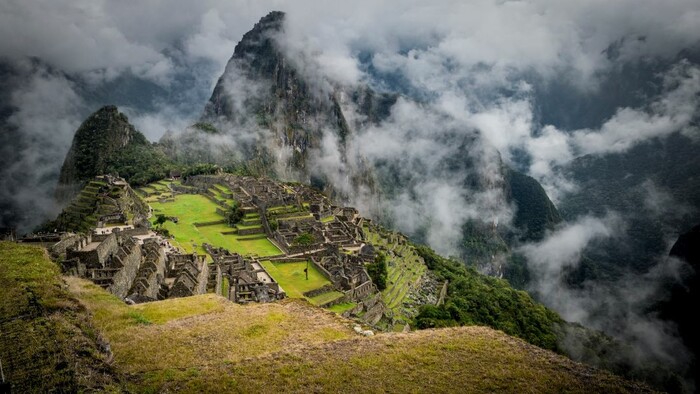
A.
pixel 305 239
pixel 234 214
pixel 160 220
pixel 378 271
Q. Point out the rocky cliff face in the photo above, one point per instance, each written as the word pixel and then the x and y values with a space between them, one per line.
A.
pixel 279 117
pixel 101 136
pixel 262 89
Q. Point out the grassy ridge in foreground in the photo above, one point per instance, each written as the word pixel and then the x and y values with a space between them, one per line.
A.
pixel 199 331
pixel 205 344
pixel 465 359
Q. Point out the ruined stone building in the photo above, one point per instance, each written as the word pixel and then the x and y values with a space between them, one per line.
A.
pixel 246 280
pixel 346 271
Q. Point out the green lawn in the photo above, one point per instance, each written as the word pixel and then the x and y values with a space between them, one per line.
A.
pixel 190 209
pixel 244 245
pixel 292 278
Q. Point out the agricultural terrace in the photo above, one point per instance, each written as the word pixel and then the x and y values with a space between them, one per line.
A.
pixel 199 223
pixel 154 191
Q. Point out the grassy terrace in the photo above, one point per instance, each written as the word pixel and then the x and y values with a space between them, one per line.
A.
pixel 340 308
pixel 293 280
pixel 324 298
pixel 191 209
pixel 328 219
pixel 220 193
pixel 154 191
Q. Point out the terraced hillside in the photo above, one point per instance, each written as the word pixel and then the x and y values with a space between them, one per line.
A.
pixel 100 198
pixel 200 219
pixel 405 272
pixel 155 191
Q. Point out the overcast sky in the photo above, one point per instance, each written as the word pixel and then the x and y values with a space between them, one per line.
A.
pixel 94 36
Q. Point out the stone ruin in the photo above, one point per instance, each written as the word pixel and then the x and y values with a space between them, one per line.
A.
pixel 246 279
pixel 288 231
pixel 346 271
pixel 138 266
pixel 133 264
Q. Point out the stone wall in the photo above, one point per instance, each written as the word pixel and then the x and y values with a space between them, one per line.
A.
pixel 219 280
pixel 183 189
pixel 97 257
pixel 324 271
pixel 203 278
pixel 69 240
pixel 361 291
pixel 251 231
pixel 152 271
pixel 131 261
pixel 211 223
pixel 106 248
pixel 320 290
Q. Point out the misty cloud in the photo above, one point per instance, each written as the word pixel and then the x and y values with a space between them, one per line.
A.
pixel 47 116
pixel 620 307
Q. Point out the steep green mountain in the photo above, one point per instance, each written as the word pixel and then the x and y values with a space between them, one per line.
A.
pixel 107 143
pixel 535 212
pixel 262 90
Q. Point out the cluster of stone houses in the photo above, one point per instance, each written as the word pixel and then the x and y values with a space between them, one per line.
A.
pixel 139 266
pixel 335 245
pixel 132 263
pixel 241 279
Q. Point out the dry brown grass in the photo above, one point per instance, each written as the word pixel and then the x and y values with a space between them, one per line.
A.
pixel 206 344
pixel 466 359
pixel 204 330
